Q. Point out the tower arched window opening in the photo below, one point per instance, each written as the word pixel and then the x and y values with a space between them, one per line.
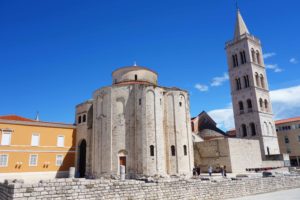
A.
pixel 151 150
pixel 173 150
pixel 262 81
pixel 253 55
pixel 261 103
pixel 249 105
pixel 258 57
pixel 266 104
pixel 257 79
pixel 84 118
pixel 244 130
pixel 79 120
pixel 241 106
pixel 136 77
pixel 184 150
pixel 253 130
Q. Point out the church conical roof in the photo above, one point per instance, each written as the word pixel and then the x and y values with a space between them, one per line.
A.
pixel 240 26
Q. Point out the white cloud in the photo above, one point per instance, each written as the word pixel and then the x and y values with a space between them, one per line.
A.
pixel 223 117
pixel 285 103
pixel 274 67
pixel 201 87
pixel 217 81
pixel 294 61
pixel 269 55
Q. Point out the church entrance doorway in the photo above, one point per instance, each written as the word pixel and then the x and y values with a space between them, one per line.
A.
pixel 82 158
pixel 123 161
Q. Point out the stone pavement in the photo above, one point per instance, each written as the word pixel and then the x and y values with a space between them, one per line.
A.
pixel 293 194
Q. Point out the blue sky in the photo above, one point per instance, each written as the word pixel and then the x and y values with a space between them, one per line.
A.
pixel 54 54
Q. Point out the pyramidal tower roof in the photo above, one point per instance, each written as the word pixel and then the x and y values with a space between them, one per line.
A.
pixel 240 26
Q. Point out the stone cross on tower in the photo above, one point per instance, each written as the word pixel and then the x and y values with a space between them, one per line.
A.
pixel 249 89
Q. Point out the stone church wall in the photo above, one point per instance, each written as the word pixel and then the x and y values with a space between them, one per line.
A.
pixel 164 189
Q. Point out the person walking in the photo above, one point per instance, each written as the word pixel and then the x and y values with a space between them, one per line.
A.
pixel 210 169
pixel 224 171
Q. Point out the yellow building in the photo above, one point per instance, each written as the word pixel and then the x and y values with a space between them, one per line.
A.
pixel 32 149
pixel 288 132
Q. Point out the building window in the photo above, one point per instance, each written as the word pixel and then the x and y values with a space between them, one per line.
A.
pixel 258 57
pixel 244 130
pixel 261 103
pixel 246 81
pixel 79 120
pixel 151 150
pixel 257 79
pixel 266 104
pixel 286 139
pixel 35 140
pixel 173 150
pixel 262 81
pixel 136 77
pixel 249 105
pixel 243 57
pixel 84 118
pixel 252 127
pixel 238 84
pixel 33 160
pixel 6 138
pixel 59 160
pixel 140 101
pixel 288 150
pixel 253 55
pixel 235 60
pixel 184 150
pixel 241 106
pixel 3 160
pixel 60 141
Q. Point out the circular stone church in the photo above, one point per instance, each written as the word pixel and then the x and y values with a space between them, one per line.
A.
pixel 137 124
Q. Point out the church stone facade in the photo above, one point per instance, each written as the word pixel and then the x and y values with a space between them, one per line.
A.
pixel 134 123
pixel 249 89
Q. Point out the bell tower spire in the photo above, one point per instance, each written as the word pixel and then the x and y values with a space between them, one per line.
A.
pixel 240 26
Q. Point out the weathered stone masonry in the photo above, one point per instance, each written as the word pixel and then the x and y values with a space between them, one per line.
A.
pixel 131 189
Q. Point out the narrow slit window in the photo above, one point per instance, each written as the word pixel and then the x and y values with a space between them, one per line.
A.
pixel 151 150
pixel 173 150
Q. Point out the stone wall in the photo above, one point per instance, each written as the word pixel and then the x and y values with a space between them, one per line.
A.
pixel 131 189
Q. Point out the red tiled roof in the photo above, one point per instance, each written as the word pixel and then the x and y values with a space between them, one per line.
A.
pixel 282 121
pixel 23 119
pixel 16 118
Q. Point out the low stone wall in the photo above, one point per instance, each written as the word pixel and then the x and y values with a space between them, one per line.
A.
pixel 131 189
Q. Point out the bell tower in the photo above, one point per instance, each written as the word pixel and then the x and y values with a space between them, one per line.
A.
pixel 251 102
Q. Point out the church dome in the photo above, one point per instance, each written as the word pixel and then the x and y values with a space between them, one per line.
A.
pixel 134 74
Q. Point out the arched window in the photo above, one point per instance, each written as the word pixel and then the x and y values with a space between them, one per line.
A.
pixel 244 56
pixel 261 103
pixel 249 105
pixel 258 57
pixel 233 61
pixel 253 55
pixel 252 127
pixel 184 150
pixel 244 130
pixel 241 106
pixel 84 118
pixel 238 84
pixel 262 81
pixel 151 150
pixel 79 119
pixel 257 79
pixel 136 77
pixel 266 104
pixel 173 150
pixel 246 81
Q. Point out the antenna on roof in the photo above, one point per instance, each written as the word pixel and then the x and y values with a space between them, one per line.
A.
pixel 37 117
